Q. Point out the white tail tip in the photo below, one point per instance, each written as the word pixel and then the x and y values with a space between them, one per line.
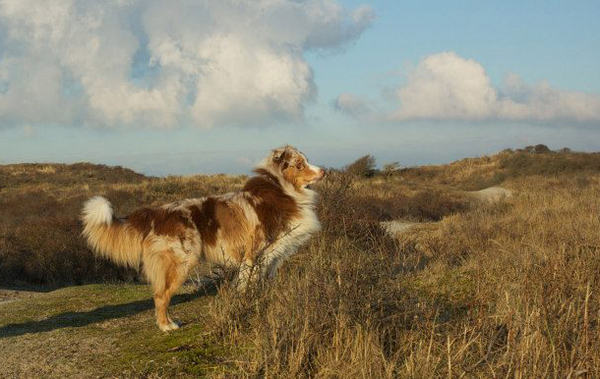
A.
pixel 97 210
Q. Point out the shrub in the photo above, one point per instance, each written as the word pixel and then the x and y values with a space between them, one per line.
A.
pixel 390 168
pixel 363 166
pixel 541 149
pixel 520 164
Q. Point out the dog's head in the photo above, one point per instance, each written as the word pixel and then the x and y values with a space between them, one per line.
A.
pixel 292 166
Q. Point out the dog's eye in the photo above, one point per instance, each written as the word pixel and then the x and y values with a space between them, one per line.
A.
pixel 300 165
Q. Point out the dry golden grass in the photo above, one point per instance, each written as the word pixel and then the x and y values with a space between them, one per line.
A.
pixel 40 239
pixel 506 290
pixel 478 173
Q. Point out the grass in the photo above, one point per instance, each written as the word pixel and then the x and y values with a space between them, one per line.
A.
pixel 105 330
pixel 477 291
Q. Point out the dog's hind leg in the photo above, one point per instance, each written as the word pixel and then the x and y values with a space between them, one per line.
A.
pixel 166 274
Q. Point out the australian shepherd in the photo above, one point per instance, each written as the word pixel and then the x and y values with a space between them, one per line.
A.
pixel 261 226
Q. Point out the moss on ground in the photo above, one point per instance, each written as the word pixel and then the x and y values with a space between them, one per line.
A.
pixel 107 330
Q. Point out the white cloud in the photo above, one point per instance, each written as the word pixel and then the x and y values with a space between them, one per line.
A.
pixel 158 63
pixel 544 102
pixel 447 86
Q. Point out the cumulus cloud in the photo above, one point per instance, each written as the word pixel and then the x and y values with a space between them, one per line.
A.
pixel 447 86
pixel 518 100
pixel 157 63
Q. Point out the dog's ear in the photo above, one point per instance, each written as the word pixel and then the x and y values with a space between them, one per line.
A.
pixel 279 155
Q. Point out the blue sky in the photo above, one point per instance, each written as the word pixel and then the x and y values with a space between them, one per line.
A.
pixel 188 87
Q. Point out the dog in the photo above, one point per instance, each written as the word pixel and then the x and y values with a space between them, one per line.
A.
pixel 261 225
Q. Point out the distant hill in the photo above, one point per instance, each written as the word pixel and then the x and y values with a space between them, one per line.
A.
pixel 482 172
pixel 65 174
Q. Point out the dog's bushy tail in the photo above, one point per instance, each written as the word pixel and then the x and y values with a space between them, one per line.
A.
pixel 109 237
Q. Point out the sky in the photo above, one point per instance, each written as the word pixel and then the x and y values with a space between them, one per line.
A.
pixel 190 86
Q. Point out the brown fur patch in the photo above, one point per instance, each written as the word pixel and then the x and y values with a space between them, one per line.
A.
pixel 258 238
pixel 263 172
pixel 299 174
pixel 274 208
pixel 234 228
pixel 205 219
pixel 163 221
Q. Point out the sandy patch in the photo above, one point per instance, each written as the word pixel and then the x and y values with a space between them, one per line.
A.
pixel 491 195
pixel 398 226
pixel 488 195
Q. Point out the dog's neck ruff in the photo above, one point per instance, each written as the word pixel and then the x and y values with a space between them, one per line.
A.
pixel 304 197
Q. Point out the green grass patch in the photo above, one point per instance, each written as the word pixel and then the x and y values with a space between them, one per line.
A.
pixel 120 317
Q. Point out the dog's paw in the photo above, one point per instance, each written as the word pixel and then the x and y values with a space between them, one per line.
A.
pixel 168 327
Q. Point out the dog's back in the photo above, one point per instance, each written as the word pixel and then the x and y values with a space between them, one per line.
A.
pixel 262 224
